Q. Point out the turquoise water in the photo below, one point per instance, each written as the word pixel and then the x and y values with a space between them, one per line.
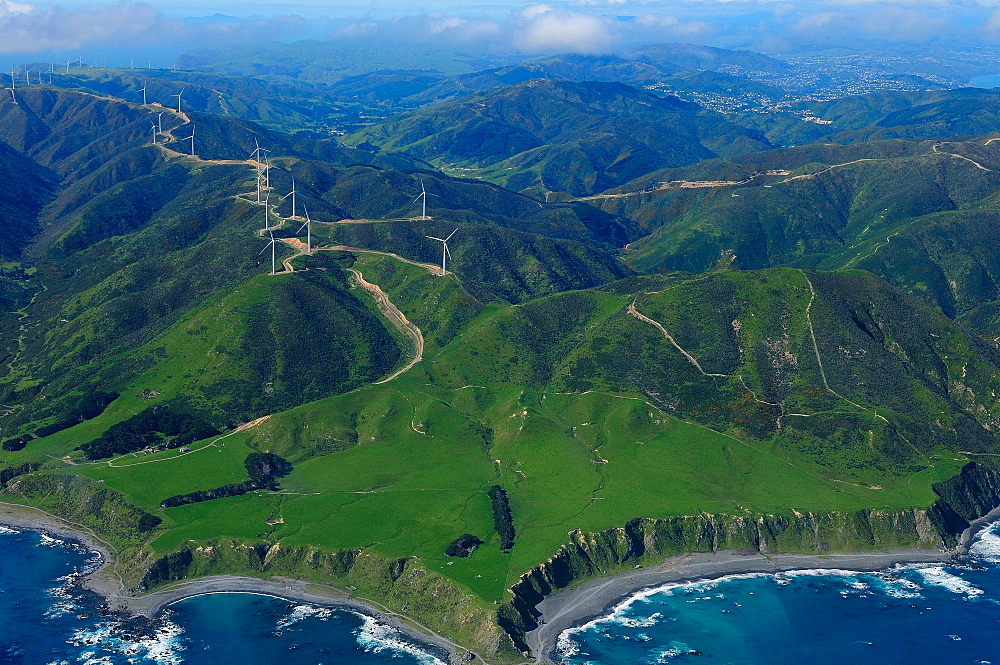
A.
pixel 913 614
pixel 46 619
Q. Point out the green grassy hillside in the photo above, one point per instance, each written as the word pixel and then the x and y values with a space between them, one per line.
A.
pixel 920 214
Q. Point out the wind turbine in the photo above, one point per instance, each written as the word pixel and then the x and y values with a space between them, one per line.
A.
pixel 159 121
pixel 144 92
pixel 178 96
pixel 13 78
pixel 292 194
pixel 272 245
pixel 308 227
pixel 153 125
pixel 255 156
pixel 423 194
pixel 67 66
pixel 445 254
pixel 192 139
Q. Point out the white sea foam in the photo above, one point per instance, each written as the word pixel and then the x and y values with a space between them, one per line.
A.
pixel 300 612
pixel 8 531
pixel 987 544
pixel 163 646
pixel 45 540
pixel 938 576
pixel 375 637
pixel 673 650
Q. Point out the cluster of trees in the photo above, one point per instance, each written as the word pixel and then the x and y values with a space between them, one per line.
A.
pixel 11 472
pixel 503 521
pixel 264 470
pixel 153 427
pixel 89 406
pixel 463 546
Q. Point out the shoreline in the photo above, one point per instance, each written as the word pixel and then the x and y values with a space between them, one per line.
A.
pixel 105 582
pixel 591 599
pixel 598 597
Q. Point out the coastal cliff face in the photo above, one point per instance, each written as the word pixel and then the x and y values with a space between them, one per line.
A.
pixel 971 494
pixel 402 585
pixel 405 586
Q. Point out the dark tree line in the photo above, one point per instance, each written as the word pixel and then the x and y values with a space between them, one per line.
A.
pixel 503 521
pixel 264 470
pixel 153 427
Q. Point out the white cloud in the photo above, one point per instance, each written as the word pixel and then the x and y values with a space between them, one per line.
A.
pixel 543 29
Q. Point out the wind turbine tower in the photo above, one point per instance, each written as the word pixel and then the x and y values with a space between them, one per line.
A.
pixel 292 194
pixel 308 227
pixel 422 195
pixel 143 92
pixel 153 125
pixel 13 78
pixel 159 121
pixel 445 254
pixel 272 245
pixel 178 96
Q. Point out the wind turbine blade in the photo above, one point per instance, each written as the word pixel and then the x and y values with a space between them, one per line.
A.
pixel 307 213
pixel 304 225
pixel 450 235
pixel 447 251
pixel 265 248
pixel 416 198
pixel 433 238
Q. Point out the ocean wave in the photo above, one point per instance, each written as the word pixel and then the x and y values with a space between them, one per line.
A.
pixel 938 576
pixel 162 645
pixel 673 650
pixel 300 612
pixel 8 531
pixel 987 544
pixel 45 540
pixel 375 637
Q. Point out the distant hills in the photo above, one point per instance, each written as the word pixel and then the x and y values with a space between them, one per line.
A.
pixel 555 135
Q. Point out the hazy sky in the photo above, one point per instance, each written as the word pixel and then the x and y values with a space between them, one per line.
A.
pixel 160 30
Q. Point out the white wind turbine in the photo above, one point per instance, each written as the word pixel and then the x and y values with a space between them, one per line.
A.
pixel 192 139
pixel 292 194
pixel 273 244
pixel 144 92
pixel 308 227
pixel 153 125
pixel 159 121
pixel 423 194
pixel 178 96
pixel 445 254
pixel 13 78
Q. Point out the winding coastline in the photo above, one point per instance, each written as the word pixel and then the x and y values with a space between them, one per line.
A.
pixel 568 608
pixel 105 582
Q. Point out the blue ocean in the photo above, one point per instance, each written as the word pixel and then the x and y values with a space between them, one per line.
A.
pixel 912 614
pixel 923 613
pixel 46 619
